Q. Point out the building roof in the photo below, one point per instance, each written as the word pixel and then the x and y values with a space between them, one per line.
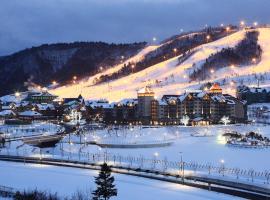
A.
pixel 45 106
pixel 146 90
pixel 215 88
pixel 30 113
pixel 7 113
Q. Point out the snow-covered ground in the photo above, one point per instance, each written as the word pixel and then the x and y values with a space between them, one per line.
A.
pixel 173 77
pixel 36 128
pixel 203 146
pixel 203 150
pixel 66 181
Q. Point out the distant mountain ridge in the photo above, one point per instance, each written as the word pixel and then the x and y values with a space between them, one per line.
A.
pixel 60 62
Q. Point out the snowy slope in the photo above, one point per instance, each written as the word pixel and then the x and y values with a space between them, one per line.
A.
pixel 169 77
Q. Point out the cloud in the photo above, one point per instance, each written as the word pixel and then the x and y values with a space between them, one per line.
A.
pixel 33 22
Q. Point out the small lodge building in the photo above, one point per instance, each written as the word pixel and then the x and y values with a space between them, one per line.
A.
pixel 40 97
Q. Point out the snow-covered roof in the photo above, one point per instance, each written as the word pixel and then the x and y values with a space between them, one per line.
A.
pixel 30 113
pixel 218 98
pixel 99 104
pixel 44 94
pixel 145 90
pixel 45 106
pixel 127 102
pixel 6 107
pixel 162 102
pixel 7 113
pixel 70 103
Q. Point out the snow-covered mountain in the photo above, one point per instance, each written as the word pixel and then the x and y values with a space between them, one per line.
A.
pixel 172 76
pixel 43 64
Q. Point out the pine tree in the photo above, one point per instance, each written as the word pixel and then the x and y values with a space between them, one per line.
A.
pixel 105 187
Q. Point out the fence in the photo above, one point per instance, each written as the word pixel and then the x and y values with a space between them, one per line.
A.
pixel 181 168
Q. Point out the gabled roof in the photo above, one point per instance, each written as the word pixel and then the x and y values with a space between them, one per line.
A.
pixel 7 113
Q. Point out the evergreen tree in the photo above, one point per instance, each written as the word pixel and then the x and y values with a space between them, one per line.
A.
pixel 105 187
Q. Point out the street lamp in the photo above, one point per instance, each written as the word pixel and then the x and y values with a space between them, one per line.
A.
pixel 212 71
pixel 174 50
pixel 132 67
pixel 228 29
pixel 242 24
pixel 208 37
pixel 255 24
pixel 223 166
pixel 182 166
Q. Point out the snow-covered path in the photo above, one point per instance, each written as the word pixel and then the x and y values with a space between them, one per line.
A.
pixel 65 181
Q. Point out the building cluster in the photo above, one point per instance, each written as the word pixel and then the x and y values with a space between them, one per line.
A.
pixel 198 107
pixel 253 94
pixel 37 105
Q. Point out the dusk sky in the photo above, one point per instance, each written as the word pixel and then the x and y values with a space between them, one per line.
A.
pixel 26 23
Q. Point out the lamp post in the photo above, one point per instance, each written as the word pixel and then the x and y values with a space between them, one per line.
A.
pixel 175 51
pixel 223 166
pixel 156 154
pixel 132 68
pixel 182 166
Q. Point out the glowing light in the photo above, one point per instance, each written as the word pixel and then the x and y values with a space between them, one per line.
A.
pixel 185 76
pixel 212 71
pixel 222 161
pixel 221 25
pixel 232 66
pixel 254 60
pixel 132 66
pixel 101 68
pixel 242 23
pixel 174 50
pixel 154 39
pixel 44 89
pixel 228 28
pixel 74 77
pixel 54 82
pixel 17 94
pixel 208 37
pixel 255 23
pixel 156 154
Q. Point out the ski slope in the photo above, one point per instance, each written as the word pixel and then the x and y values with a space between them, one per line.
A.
pixel 170 77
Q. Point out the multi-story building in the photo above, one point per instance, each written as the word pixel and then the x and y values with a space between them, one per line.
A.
pixel 200 107
pixel 145 98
